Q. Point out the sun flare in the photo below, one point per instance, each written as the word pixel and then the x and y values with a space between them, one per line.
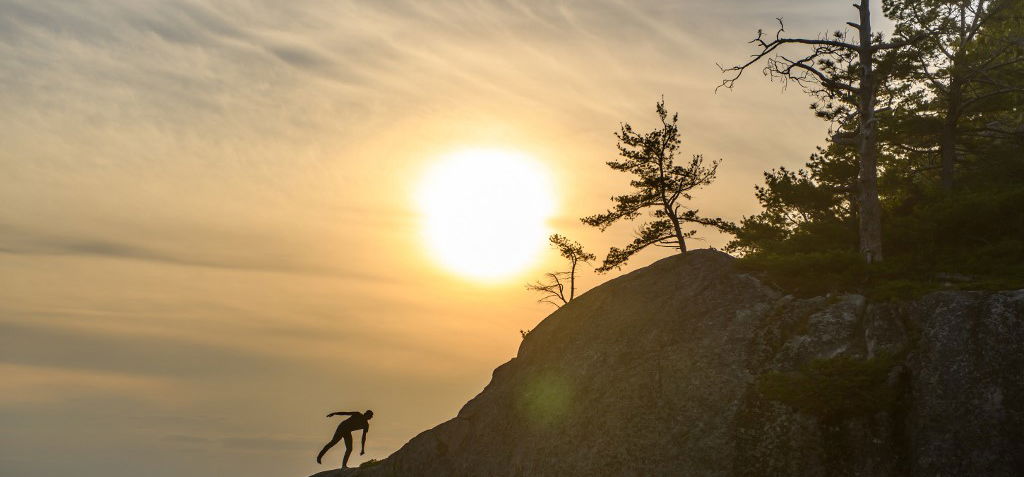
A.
pixel 485 212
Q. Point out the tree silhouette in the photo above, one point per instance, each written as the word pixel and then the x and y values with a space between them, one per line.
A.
pixel 659 186
pixel 851 71
pixel 950 133
pixel 553 289
pixel 965 65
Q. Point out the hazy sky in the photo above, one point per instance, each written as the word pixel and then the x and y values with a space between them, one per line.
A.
pixel 208 232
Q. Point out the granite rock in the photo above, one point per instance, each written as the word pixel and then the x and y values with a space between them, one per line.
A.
pixel 691 367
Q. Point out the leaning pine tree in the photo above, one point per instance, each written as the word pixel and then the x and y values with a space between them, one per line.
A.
pixel 659 187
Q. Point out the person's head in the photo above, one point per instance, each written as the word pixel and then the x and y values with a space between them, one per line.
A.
pixel 368 414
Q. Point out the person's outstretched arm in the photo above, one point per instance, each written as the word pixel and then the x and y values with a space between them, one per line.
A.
pixel 342 413
pixel 362 450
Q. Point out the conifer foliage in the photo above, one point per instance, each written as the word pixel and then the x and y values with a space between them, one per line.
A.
pixel 949 140
pixel 660 188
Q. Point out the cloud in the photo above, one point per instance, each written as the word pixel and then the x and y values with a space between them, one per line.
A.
pixel 46 385
pixel 241 443
pixel 144 356
pixel 185 439
pixel 24 242
pixel 260 444
pixel 263 444
pixel 234 346
pixel 159 156
pixel 304 58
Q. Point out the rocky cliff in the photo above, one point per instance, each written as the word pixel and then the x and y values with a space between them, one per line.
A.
pixel 689 367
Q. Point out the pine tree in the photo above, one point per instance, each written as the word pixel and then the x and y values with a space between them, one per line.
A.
pixel 659 186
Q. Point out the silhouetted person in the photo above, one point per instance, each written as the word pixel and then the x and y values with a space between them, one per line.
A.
pixel 356 422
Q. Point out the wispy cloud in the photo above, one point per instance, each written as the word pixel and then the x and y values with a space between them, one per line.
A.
pixel 206 229
pixel 40 386
pixel 146 357
pixel 24 242
pixel 264 444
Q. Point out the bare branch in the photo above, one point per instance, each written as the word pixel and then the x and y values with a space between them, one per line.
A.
pixel 780 67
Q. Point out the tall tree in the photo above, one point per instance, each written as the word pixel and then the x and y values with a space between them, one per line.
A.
pixel 834 67
pixel 961 64
pixel 804 236
pixel 659 186
pixel 553 289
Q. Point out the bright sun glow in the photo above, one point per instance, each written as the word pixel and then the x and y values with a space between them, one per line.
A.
pixel 485 212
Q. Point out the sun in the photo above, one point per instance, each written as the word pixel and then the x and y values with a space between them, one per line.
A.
pixel 485 212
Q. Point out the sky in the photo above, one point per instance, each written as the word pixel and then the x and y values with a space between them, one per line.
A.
pixel 209 228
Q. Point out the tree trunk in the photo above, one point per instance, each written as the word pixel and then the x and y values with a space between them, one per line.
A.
pixel 947 146
pixel 947 137
pixel 572 282
pixel 675 226
pixel 870 208
pixel 670 210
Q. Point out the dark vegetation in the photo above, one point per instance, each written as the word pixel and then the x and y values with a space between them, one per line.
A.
pixel 835 389
pixel 919 184
pixel 948 119
pixel 370 463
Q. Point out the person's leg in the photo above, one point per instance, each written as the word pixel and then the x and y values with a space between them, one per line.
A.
pixel 334 440
pixel 348 449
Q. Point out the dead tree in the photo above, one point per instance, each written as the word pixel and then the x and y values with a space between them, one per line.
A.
pixel 834 67
pixel 559 288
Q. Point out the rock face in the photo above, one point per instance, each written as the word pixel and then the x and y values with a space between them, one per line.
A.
pixel 689 367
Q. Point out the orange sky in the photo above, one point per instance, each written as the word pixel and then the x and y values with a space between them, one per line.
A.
pixel 208 233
